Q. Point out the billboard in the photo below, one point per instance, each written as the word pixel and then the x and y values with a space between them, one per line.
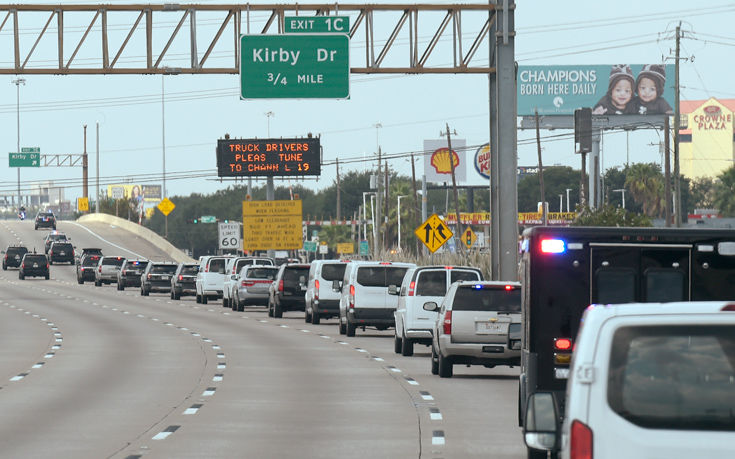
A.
pixel 619 89
pixel 148 193
pixel 268 157
pixel 437 165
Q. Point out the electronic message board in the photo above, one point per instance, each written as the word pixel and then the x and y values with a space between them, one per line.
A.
pixel 268 157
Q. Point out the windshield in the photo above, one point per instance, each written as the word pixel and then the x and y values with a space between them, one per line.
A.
pixel 380 276
pixel 189 270
pixel 163 269
pixel 486 298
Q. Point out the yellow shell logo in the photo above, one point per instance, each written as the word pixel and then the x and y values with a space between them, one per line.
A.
pixel 441 158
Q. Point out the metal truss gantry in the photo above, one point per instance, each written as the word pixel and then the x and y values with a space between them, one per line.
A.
pixel 149 32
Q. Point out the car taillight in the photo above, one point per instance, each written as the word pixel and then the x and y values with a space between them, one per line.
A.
pixel 23 266
pixel 181 277
pixel 411 288
pixel 447 323
pixel 280 285
pixel 352 296
pixel 316 289
pixel 47 265
pixel 99 269
pixel 206 269
pixel 148 276
pixel 563 344
pixel 247 283
pixel 580 441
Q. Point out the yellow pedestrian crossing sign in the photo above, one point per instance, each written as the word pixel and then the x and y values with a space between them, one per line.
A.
pixel 469 237
pixel 433 233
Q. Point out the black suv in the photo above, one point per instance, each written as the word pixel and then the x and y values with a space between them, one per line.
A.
pixel 87 263
pixel 129 273
pixel 33 265
pixel 13 255
pixel 157 277
pixel 61 252
pixel 52 237
pixel 184 280
pixel 288 289
pixel 45 220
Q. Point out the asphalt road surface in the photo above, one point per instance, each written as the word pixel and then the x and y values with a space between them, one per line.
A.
pixel 92 372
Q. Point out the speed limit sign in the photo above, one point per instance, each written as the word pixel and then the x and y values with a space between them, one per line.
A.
pixel 230 236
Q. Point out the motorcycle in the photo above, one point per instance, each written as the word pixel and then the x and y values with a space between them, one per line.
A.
pixel 22 214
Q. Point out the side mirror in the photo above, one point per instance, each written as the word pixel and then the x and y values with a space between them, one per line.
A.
pixel 431 306
pixel 541 424
pixel 233 277
pixel 392 290
pixel 336 286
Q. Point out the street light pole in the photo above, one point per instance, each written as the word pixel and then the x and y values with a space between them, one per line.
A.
pixel 97 185
pixel 621 191
pixel 17 82
pixel 568 190
pixel 399 222
pixel 561 203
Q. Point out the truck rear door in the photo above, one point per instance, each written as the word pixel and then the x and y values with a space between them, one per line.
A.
pixel 649 273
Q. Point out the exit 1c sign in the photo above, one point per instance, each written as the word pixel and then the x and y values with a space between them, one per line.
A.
pixel 317 24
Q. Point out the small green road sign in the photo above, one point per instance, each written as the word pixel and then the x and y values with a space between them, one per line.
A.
pixel 24 159
pixel 295 66
pixel 310 246
pixel 316 24
pixel 364 247
pixel 208 219
pixel 30 149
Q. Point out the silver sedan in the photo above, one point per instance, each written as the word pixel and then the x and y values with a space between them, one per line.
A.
pixel 252 285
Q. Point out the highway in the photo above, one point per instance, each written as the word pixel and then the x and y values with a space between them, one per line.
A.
pixel 91 372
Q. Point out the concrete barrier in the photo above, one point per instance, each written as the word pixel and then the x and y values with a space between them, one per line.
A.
pixel 139 230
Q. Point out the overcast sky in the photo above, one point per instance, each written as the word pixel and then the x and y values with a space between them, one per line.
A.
pixel 409 108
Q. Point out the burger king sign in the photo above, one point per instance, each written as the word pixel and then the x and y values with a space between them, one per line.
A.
pixel 482 161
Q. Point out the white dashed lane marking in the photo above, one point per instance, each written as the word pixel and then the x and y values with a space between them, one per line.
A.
pixel 411 381
pixel 163 435
pixel 437 437
pixel 435 415
pixel 193 409
pixel 425 395
pixel 209 391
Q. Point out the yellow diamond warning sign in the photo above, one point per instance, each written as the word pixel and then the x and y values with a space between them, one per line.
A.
pixel 468 237
pixel 433 233
pixel 166 206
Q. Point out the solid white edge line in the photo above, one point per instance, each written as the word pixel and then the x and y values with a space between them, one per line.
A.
pixel 105 240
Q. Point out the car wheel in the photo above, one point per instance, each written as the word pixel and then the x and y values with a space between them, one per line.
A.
pixel 5 267
pixel 50 262
pixel 445 367
pixel 21 276
pixel 307 316
pixel 47 276
pixel 177 294
pixel 270 309
pixel 240 306
pixel 80 281
pixel 119 286
pixel 204 299
pixel 350 329
pixel 407 347
pixel 434 362
pixel 342 327
pixel 97 283
pixel 199 299
pixel 35 228
pixel 277 310
pixel 397 343
pixel 315 318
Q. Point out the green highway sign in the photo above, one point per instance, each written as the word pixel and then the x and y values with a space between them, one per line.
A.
pixel 310 246
pixel 208 219
pixel 364 247
pixel 316 24
pixel 24 159
pixel 295 66
pixel 30 149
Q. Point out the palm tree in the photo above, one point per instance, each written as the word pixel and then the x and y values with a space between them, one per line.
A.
pixel 724 198
pixel 645 182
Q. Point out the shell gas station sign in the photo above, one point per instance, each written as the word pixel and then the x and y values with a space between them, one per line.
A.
pixel 438 161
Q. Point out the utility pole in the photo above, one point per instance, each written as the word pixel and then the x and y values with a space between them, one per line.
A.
pixel 378 222
pixel 677 114
pixel 338 194
pixel 97 188
pixel 541 174
pixel 387 198
pixel 17 82
pixel 414 209
pixel 667 173
pixel 454 186
pixel 85 168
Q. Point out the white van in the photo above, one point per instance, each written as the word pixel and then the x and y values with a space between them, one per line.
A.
pixel 210 277
pixel 647 380
pixel 364 299
pixel 420 285
pixel 322 302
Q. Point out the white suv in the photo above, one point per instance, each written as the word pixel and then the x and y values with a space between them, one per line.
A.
pixel 322 302
pixel 646 380
pixel 232 270
pixel 364 300
pixel 422 284
pixel 210 277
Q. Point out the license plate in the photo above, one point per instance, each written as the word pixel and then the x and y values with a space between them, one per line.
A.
pixel 62 253
pixel 491 327
pixel 35 265
pixel 561 373
pixel 303 288
pixel 17 257
pixel 165 277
